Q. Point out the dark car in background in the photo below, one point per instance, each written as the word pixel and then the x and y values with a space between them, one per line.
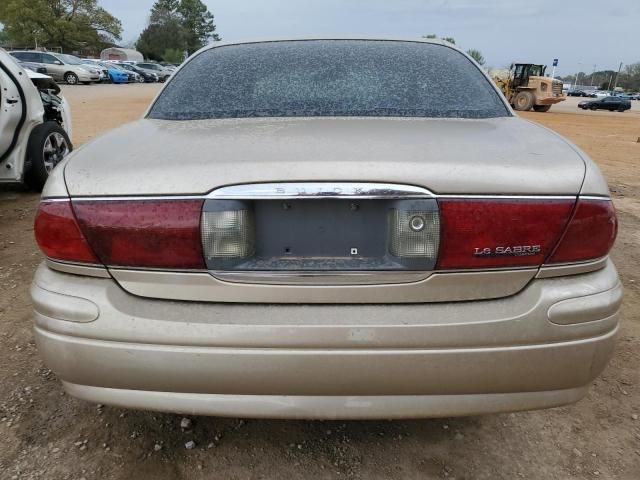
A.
pixel 577 93
pixel 148 76
pixel 607 103
pixel 163 72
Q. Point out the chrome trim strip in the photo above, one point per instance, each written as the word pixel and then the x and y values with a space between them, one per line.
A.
pixel 157 269
pixel 78 268
pixel 140 198
pixel 55 199
pixel 508 197
pixel 320 278
pixel 550 270
pixel 315 190
pixel 361 197
pixel 594 197
pixel 359 190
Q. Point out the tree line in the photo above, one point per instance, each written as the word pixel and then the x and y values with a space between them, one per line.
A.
pixel 472 52
pixel 628 79
pixel 71 25
pixel 175 28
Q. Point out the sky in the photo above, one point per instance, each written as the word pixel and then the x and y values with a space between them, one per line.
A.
pixel 580 34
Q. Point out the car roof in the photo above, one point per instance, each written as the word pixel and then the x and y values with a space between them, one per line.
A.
pixel 373 38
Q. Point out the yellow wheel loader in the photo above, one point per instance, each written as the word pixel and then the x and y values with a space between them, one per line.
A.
pixel 526 87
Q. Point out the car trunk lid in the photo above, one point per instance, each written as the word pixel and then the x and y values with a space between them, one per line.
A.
pixel 493 156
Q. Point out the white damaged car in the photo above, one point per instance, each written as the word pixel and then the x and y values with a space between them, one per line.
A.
pixel 35 124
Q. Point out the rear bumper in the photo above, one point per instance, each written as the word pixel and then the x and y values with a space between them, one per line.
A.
pixel 325 407
pixel 320 361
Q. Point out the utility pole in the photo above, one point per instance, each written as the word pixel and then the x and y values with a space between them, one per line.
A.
pixel 594 72
pixel 577 76
pixel 616 82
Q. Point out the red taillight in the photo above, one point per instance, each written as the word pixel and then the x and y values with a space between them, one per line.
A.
pixel 590 233
pixel 496 233
pixel 58 234
pixel 143 233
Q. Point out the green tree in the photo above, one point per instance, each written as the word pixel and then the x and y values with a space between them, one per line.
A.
pixel 198 25
pixel 164 10
pixel 476 55
pixel 70 24
pixel 173 55
pixel 4 37
pixel 174 25
pixel 449 39
pixel 157 38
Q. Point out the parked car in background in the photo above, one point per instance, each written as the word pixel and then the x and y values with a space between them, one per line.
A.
pixel 163 72
pixel 34 67
pixel 104 72
pixel 602 93
pixel 60 67
pixel 612 103
pixel 35 124
pixel 146 75
pixel 271 241
pixel 116 74
pixel 119 74
pixel 635 96
pixel 577 93
pixel 151 72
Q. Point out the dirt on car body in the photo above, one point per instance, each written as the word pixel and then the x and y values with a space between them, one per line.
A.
pixel 46 434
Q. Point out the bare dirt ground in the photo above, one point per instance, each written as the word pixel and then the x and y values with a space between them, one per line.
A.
pixel 46 434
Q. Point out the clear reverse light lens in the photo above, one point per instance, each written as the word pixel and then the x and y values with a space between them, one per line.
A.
pixel 228 233
pixel 413 233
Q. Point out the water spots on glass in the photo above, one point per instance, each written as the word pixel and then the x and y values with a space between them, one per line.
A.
pixel 317 78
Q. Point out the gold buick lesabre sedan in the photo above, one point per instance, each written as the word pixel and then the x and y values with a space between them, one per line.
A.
pixel 327 228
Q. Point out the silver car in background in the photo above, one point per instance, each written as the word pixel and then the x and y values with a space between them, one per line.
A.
pixel 62 67
pixel 163 72
pixel 337 228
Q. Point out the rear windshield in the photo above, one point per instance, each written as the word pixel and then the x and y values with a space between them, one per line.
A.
pixel 318 78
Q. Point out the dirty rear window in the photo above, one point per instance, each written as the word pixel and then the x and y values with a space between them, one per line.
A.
pixel 328 78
